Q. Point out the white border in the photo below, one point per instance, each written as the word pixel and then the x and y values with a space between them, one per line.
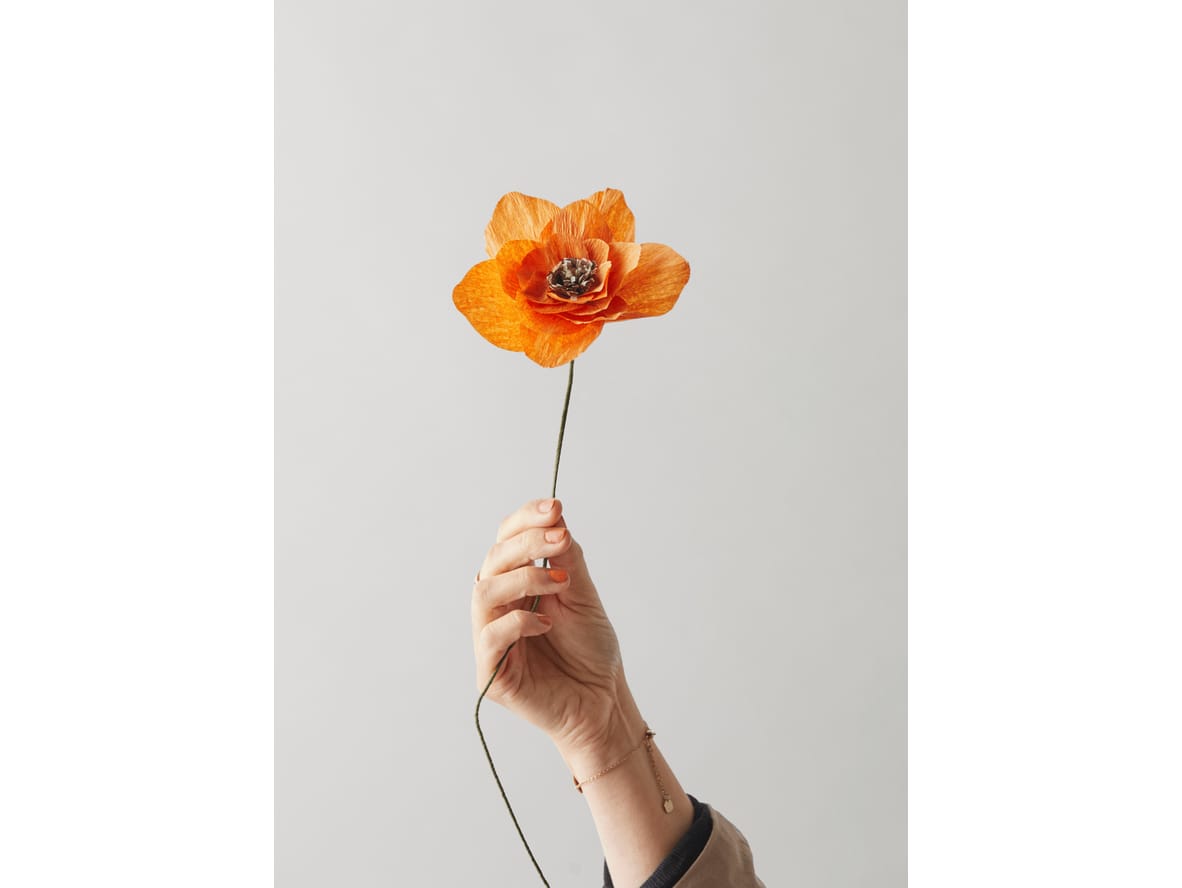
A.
pixel 1045 444
pixel 136 507
pixel 136 368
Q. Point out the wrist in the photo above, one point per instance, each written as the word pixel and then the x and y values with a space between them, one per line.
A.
pixel 619 732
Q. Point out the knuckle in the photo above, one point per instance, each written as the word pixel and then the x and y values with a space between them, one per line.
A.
pixel 482 655
pixel 525 581
pixel 481 592
pixel 484 639
pixel 492 558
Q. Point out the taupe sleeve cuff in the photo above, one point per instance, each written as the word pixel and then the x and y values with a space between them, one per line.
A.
pixel 712 854
pixel 725 861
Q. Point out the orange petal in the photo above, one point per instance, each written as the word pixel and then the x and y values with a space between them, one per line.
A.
pixel 517 217
pixel 533 271
pixel 510 259
pixel 492 311
pixel 576 222
pixel 620 220
pixel 624 259
pixel 597 251
pixel 654 285
pixel 588 305
pixel 560 341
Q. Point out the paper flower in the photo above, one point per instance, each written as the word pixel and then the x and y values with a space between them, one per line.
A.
pixel 556 276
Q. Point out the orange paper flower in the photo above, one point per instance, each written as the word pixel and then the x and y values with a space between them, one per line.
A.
pixel 556 276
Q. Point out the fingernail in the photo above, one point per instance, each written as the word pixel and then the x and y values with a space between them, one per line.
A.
pixel 557 575
pixel 545 505
pixel 555 535
pixel 545 620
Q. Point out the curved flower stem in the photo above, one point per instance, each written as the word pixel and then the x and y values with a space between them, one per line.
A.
pixel 570 380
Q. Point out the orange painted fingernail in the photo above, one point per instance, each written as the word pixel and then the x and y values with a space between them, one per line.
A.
pixel 555 535
pixel 557 575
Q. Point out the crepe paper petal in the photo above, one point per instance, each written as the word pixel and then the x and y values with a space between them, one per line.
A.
pixel 493 312
pixel 595 303
pixel 598 251
pixel 533 272
pixel 589 304
pixel 654 285
pixel 510 259
pixel 517 217
pixel 546 309
pixel 619 218
pixel 625 258
pixel 561 343
pixel 575 223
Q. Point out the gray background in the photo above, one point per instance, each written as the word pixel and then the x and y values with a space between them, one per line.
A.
pixel 736 470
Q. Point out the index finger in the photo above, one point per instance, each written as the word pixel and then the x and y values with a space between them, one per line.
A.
pixel 536 513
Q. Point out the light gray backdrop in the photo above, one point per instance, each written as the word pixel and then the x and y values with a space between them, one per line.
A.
pixel 735 470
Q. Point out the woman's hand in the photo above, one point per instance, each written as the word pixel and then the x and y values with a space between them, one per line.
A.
pixel 564 674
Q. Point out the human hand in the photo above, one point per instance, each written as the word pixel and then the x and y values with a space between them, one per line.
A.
pixel 564 673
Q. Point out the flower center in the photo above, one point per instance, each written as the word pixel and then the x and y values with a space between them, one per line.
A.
pixel 571 278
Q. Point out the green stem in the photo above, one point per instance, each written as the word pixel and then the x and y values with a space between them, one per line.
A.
pixel 570 380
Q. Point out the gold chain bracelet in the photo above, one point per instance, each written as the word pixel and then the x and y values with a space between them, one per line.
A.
pixel 647 743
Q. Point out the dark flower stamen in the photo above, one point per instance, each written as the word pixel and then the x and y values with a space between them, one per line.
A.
pixel 572 278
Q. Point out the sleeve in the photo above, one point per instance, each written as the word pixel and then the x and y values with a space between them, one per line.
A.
pixel 712 853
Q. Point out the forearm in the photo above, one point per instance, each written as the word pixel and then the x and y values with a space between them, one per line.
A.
pixel 627 803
